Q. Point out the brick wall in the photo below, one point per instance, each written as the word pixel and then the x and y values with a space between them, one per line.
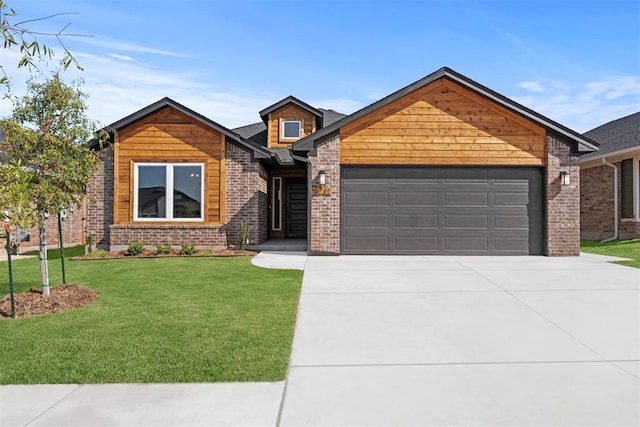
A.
pixel 596 203
pixel 247 201
pixel 72 231
pixel 563 202
pixel 99 201
pixel 202 236
pixel 324 236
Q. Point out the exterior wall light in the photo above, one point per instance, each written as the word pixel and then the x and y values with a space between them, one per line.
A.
pixel 565 178
pixel 322 178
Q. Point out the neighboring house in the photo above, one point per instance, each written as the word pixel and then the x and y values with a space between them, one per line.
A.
pixel 72 229
pixel 610 192
pixel 442 166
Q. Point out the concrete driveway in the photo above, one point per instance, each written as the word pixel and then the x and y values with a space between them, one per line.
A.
pixel 465 341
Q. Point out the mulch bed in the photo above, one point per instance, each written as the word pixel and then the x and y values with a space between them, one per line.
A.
pixel 61 298
pixel 174 253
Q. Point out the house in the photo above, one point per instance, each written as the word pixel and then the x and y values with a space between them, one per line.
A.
pixel 610 191
pixel 442 166
pixel 28 239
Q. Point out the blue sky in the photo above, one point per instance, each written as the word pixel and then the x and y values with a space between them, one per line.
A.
pixel 574 61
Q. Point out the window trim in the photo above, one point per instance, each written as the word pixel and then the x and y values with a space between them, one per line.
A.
pixel 169 177
pixel 290 138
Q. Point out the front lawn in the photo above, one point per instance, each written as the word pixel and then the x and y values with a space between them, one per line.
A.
pixel 619 248
pixel 156 320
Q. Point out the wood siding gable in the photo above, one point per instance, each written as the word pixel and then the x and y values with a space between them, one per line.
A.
pixel 169 136
pixel 443 123
pixel 290 111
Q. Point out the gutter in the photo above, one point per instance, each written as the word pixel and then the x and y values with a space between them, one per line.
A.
pixel 615 201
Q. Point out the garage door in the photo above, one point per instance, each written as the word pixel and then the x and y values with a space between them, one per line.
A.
pixel 441 210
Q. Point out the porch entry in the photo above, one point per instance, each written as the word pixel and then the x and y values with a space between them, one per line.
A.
pixel 288 207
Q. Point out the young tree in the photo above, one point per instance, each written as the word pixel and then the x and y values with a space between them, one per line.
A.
pixel 46 162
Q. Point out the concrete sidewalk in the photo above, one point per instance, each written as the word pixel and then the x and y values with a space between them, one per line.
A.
pixel 223 404
pixel 409 341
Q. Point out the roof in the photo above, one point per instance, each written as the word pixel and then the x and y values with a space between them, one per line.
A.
pixel 258 151
pixel 289 100
pixel 584 143
pixel 617 135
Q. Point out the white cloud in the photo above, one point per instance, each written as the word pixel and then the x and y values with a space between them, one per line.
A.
pixel 125 46
pixel 121 57
pixel 585 106
pixel 532 86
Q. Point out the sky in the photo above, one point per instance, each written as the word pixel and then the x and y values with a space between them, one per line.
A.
pixel 576 62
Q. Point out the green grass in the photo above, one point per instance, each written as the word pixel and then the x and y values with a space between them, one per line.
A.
pixel 156 320
pixel 619 248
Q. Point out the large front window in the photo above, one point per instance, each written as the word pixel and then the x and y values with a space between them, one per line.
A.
pixel 169 192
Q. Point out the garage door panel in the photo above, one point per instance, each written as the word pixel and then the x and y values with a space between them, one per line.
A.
pixel 512 222
pixel 466 221
pixel 466 176
pixel 415 199
pixel 362 198
pixel 424 244
pixel 433 210
pixel 512 199
pixel 416 176
pixel 466 244
pixel 509 245
pixel 375 245
pixel 466 199
pixel 415 221
pixel 367 221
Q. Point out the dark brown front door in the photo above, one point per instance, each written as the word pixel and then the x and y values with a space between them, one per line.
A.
pixel 296 207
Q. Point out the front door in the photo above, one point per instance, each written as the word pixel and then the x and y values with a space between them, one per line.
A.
pixel 296 208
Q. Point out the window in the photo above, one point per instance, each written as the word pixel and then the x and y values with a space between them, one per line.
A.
pixel 626 188
pixel 168 192
pixel 276 204
pixel 291 129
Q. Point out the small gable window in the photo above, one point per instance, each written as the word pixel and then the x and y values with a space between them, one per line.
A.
pixel 291 129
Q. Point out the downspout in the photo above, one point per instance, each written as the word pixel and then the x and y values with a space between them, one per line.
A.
pixel 615 201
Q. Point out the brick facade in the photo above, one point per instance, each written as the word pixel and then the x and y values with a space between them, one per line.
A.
pixel 324 210
pixel 202 236
pixel 99 201
pixel 597 204
pixel 563 202
pixel 247 201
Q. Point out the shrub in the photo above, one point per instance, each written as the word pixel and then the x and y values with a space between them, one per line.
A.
pixel 135 248
pixel 163 249
pixel 99 253
pixel 244 235
pixel 186 249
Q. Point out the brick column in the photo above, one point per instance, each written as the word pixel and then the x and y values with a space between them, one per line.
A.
pixel 99 201
pixel 563 201
pixel 246 196
pixel 324 209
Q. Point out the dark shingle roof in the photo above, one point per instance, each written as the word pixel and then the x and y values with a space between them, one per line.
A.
pixel 615 136
pixel 330 116
pixel 289 100
pixel 256 132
